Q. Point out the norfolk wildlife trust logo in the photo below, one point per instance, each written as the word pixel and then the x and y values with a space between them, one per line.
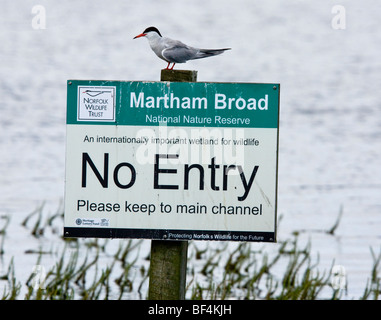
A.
pixel 96 103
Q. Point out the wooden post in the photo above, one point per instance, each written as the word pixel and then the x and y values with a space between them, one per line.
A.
pixel 167 276
pixel 178 75
pixel 168 265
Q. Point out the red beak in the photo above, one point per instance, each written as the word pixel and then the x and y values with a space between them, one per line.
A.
pixel 140 35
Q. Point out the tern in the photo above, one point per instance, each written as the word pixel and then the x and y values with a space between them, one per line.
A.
pixel 174 51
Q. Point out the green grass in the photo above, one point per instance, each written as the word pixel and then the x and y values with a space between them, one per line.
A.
pixel 93 269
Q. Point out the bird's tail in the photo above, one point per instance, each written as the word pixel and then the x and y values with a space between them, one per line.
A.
pixel 203 53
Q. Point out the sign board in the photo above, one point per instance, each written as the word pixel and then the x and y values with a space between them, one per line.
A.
pixel 171 160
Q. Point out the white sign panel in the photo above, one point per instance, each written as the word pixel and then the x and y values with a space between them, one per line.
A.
pixel 179 161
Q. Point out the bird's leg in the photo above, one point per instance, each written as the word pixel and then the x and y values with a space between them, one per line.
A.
pixel 172 66
pixel 167 68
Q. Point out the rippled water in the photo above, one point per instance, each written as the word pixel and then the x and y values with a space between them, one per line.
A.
pixel 330 132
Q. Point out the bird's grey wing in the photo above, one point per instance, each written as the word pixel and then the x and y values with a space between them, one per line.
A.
pixel 178 52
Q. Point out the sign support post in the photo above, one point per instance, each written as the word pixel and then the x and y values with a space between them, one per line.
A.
pixel 167 275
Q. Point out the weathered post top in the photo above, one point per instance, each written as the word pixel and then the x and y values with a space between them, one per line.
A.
pixel 178 75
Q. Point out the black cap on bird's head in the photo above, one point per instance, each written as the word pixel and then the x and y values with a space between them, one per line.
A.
pixel 152 29
pixel 149 29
